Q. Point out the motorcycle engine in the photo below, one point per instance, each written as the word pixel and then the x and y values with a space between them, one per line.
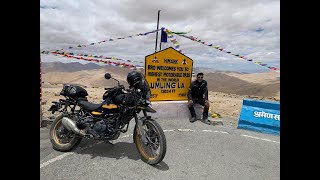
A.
pixel 100 128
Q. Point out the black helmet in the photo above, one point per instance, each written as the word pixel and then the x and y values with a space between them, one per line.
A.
pixel 134 78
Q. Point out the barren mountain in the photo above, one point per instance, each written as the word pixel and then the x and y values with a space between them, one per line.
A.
pixel 90 74
pixel 67 67
pixel 258 84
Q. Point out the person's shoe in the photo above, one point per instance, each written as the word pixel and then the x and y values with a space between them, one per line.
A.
pixel 193 119
pixel 205 119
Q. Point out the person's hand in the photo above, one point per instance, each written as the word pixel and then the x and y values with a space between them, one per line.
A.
pixel 207 103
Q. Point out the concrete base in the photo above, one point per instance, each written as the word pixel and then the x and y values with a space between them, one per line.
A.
pixel 199 111
pixel 174 109
pixel 170 109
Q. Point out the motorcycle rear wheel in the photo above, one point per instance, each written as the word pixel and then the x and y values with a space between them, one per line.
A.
pixel 156 148
pixel 60 143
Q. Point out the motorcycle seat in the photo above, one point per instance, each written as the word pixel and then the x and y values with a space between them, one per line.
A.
pixel 89 106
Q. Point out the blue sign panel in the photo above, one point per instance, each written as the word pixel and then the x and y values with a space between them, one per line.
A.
pixel 260 115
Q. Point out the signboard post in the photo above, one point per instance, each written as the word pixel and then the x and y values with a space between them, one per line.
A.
pixel 168 73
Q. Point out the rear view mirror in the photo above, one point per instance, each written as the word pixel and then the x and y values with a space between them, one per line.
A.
pixel 107 76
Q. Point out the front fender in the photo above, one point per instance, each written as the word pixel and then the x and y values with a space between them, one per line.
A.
pixel 144 118
pixel 139 123
pixel 147 108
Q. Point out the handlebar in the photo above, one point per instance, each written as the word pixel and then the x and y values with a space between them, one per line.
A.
pixel 116 87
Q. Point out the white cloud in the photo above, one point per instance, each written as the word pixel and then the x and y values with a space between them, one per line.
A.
pixel 247 27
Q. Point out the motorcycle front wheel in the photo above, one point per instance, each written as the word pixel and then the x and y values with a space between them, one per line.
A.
pixel 155 150
pixel 61 138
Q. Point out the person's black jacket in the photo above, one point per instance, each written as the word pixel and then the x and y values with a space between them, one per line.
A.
pixel 197 90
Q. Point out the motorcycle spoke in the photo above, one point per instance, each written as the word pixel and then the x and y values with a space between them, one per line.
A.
pixel 63 136
pixel 146 130
pixel 152 139
pixel 151 151
pixel 153 135
pixel 154 147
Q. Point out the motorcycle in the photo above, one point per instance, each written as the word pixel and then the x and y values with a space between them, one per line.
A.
pixel 80 118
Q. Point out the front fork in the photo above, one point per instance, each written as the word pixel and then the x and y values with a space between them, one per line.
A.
pixel 139 123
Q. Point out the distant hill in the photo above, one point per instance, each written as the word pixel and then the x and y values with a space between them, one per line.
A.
pixel 235 83
pixel 67 67
pixel 76 66
pixel 83 74
pixel 210 70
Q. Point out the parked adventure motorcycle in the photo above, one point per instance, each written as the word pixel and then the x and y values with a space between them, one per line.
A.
pixel 80 118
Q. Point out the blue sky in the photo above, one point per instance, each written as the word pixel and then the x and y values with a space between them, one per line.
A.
pixel 248 27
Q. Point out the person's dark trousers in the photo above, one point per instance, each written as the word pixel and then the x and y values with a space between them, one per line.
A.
pixel 192 111
pixel 202 103
pixel 191 108
pixel 205 112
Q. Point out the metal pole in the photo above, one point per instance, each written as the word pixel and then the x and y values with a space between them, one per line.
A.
pixel 157 31
pixel 160 41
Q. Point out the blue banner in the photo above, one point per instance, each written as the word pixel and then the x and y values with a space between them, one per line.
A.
pixel 164 37
pixel 259 115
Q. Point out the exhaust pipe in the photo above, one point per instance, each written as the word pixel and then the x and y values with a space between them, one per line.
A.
pixel 71 126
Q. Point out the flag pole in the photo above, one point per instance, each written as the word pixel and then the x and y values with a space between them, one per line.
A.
pixel 161 40
pixel 157 31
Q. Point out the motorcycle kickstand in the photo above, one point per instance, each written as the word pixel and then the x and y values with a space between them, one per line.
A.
pixel 109 142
